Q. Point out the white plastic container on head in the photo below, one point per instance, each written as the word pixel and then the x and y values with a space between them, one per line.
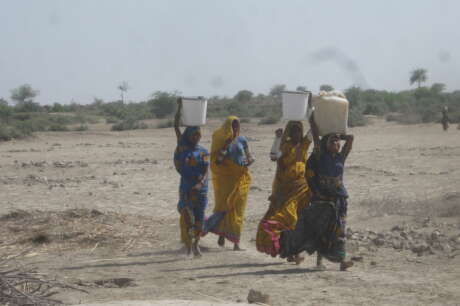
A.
pixel 331 113
pixel 295 104
pixel 194 111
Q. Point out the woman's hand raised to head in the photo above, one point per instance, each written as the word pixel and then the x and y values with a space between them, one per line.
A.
pixel 177 119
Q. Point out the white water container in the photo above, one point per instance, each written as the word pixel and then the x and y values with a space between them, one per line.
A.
pixel 331 113
pixel 295 104
pixel 194 111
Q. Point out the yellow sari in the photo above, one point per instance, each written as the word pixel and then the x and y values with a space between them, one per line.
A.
pixel 231 186
pixel 290 193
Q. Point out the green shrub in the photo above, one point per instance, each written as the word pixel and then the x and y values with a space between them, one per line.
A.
pixel 356 118
pixel 271 119
pixel 5 133
pixel 58 127
pixel 454 116
pixel 129 124
pixel 245 120
pixel 111 120
pixel 163 104
pixel 8 132
pixel 81 128
pixel 165 124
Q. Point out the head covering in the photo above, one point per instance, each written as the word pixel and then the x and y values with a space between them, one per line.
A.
pixel 220 136
pixel 288 130
pixel 185 137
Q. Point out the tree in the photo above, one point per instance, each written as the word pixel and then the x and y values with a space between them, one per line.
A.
pixel 123 88
pixel 438 88
pixel 353 95
pixel 301 88
pixel 277 89
pixel 163 103
pixel 5 110
pixel 57 108
pixel 24 93
pixel 418 76
pixel 326 87
pixel 243 96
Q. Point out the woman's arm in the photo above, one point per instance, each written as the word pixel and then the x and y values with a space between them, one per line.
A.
pixel 177 119
pixel 203 179
pixel 251 160
pixel 222 153
pixel 275 152
pixel 346 149
pixel 315 134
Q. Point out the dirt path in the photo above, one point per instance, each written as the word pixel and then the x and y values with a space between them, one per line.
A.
pixel 396 176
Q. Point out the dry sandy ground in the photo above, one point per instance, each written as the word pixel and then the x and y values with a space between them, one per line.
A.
pixel 396 175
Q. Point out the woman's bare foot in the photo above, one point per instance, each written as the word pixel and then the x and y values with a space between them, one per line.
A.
pixel 298 259
pixel 319 263
pixel 188 252
pixel 320 267
pixel 236 247
pixel 221 241
pixel 344 265
pixel 196 249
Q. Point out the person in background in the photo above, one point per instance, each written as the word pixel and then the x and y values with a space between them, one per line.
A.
pixel 445 118
pixel 230 159
pixel 321 226
pixel 191 161
pixel 290 192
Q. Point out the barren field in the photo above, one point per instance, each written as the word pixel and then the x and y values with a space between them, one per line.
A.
pixel 97 210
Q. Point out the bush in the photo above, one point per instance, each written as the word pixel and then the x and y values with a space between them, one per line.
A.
pixel 271 119
pixel 10 132
pixel 81 128
pixel 245 120
pixel 129 124
pixel 58 127
pixel 163 104
pixel 166 124
pixel 5 133
pixel 356 118
pixel 111 120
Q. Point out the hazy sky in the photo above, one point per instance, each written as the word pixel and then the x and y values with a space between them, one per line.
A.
pixel 83 49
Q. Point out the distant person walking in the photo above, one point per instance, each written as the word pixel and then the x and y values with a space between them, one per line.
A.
pixel 290 192
pixel 191 161
pixel 321 226
pixel 230 159
pixel 445 118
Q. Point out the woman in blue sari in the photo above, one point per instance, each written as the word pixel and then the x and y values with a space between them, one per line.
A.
pixel 191 161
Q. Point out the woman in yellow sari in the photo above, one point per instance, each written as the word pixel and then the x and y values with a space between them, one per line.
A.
pixel 290 190
pixel 230 159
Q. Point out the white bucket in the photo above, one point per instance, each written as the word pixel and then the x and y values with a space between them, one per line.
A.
pixel 295 105
pixel 194 111
pixel 331 114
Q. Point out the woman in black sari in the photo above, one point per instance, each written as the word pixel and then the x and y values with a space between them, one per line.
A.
pixel 321 226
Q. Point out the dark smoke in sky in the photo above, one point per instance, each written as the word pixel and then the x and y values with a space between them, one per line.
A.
pixel 332 54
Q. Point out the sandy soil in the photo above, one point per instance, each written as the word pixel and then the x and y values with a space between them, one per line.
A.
pixel 404 176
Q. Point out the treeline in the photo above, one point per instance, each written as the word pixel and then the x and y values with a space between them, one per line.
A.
pixel 24 116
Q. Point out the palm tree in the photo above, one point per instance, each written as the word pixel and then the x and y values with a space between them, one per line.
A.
pixel 123 87
pixel 418 76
